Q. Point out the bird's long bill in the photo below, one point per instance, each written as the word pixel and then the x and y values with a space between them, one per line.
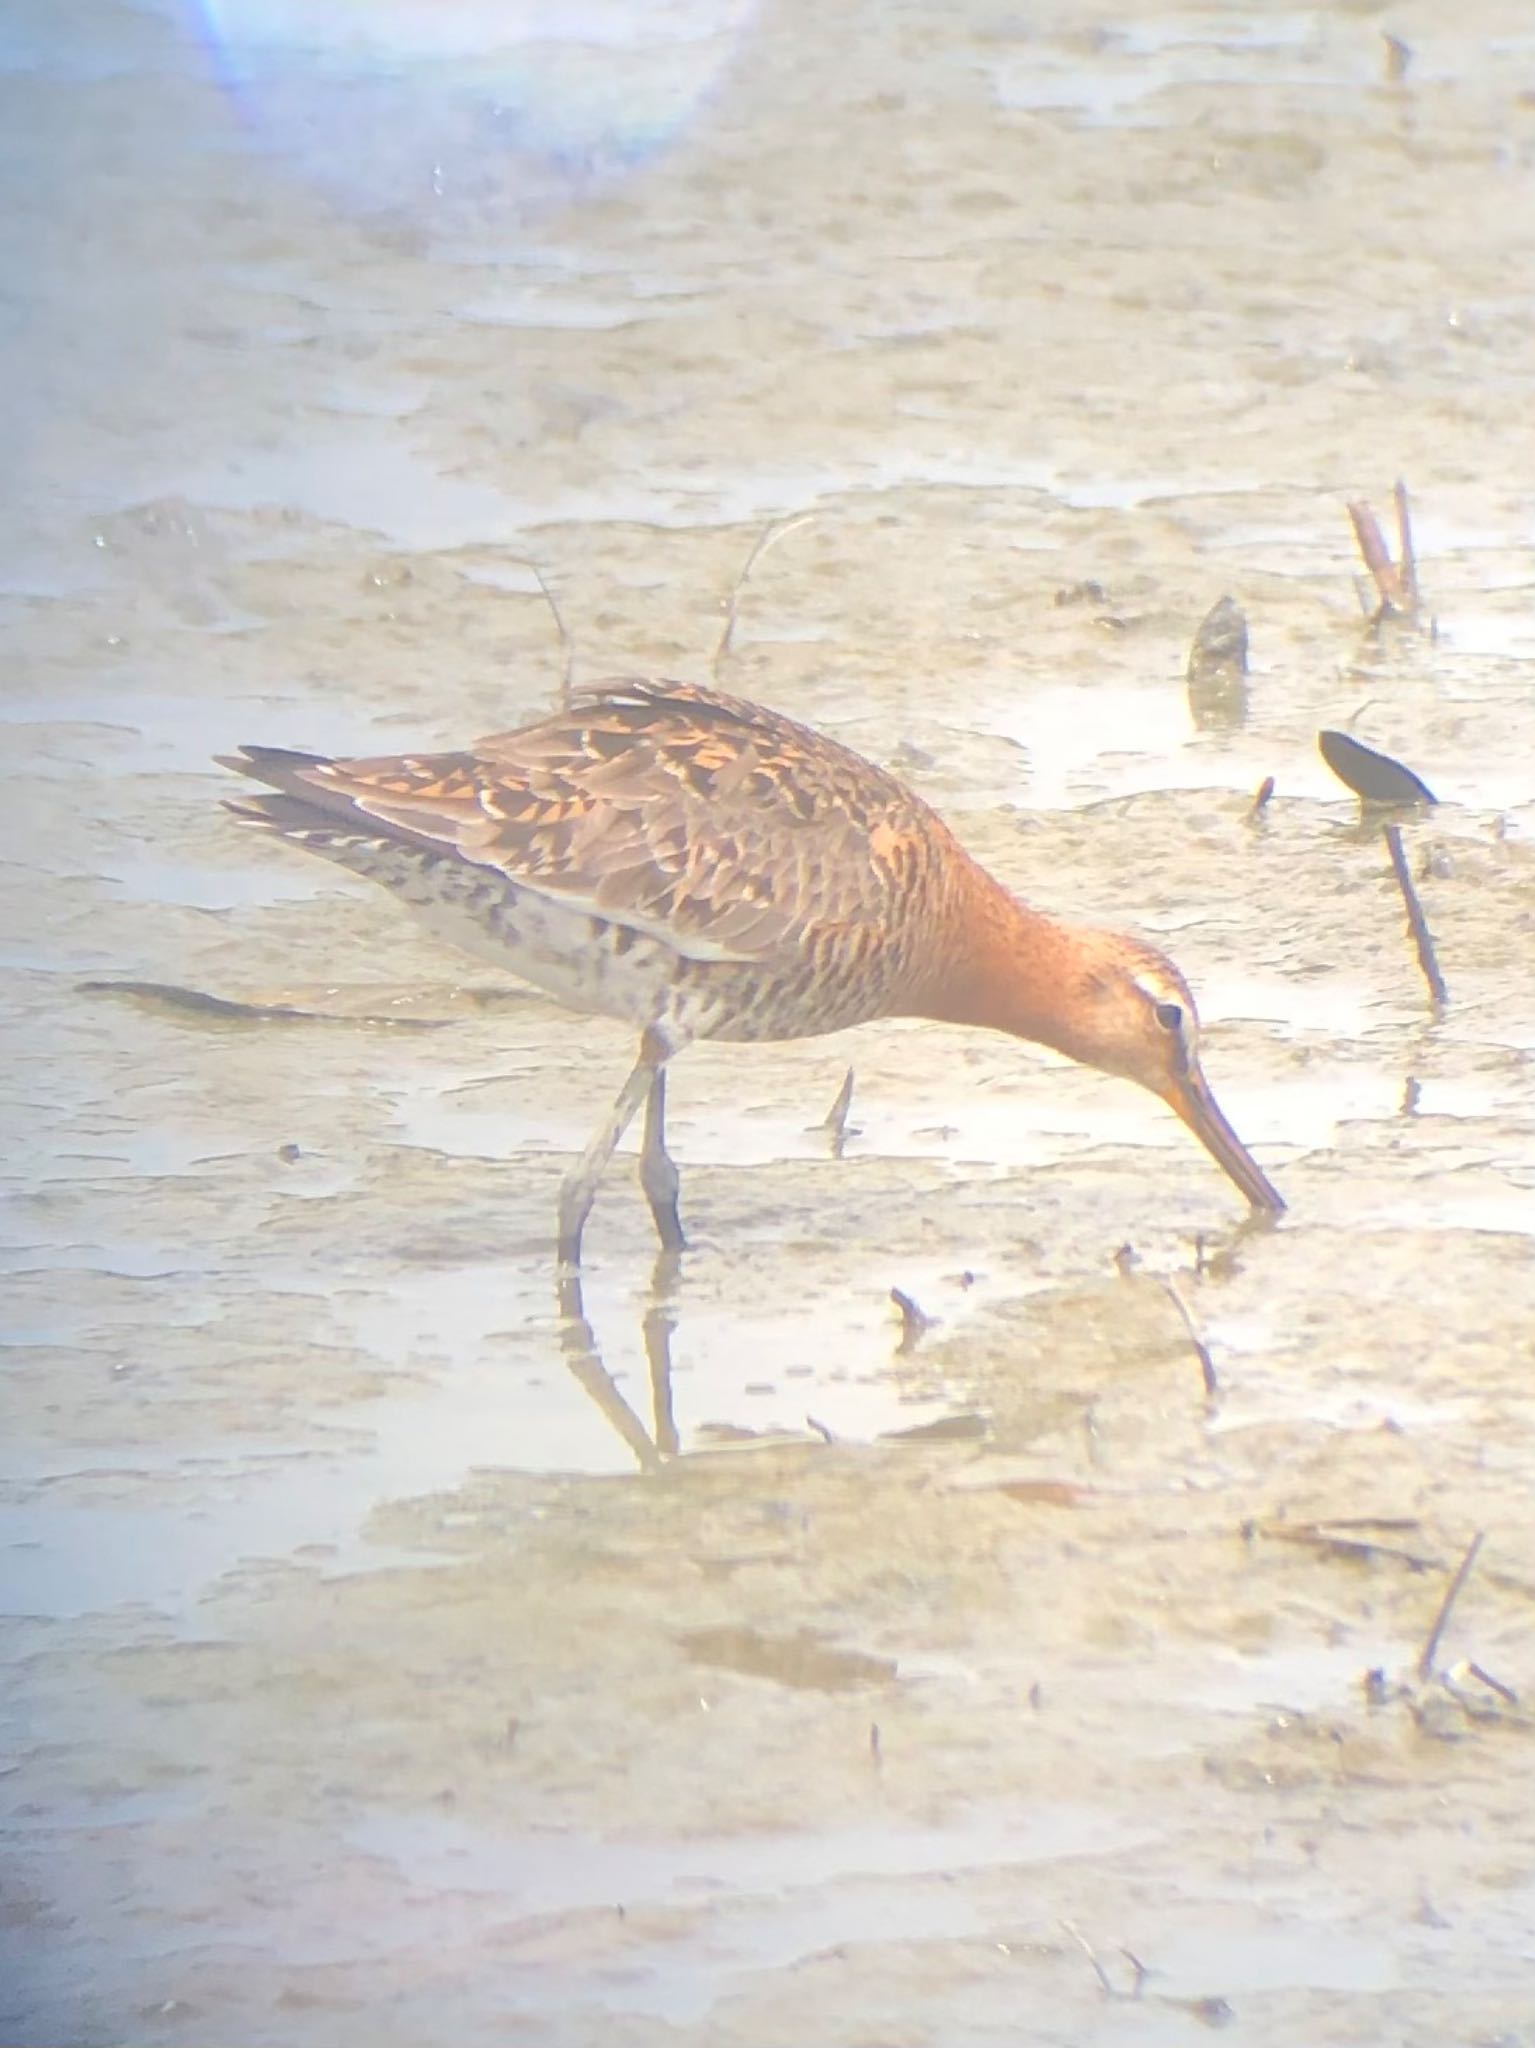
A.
pixel 1192 1099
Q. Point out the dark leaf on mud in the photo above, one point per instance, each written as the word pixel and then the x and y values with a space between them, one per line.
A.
pixel 1374 778
pixel 1217 671
pixel 1049 1493
pixel 1212 2012
pixel 1220 644
pixel 947 1429
pixel 800 1661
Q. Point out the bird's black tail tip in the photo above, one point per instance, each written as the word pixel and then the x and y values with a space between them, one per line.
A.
pixel 276 765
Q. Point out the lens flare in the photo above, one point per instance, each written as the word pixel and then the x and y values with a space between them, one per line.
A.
pixel 451 109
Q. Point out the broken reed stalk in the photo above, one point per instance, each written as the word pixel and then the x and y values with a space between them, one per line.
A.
pixel 1417 923
pixel 1396 583
pixel 1373 552
pixel 770 536
pixel 1452 1593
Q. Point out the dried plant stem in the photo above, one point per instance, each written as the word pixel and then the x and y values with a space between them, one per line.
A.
pixel 769 537
pixel 914 1323
pixel 567 645
pixel 1407 560
pixel 1396 583
pixel 1105 1981
pixel 1452 1593
pixel 1201 1349
pixel 1261 801
pixel 1417 923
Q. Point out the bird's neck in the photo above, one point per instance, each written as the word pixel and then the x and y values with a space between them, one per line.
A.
pixel 1005 967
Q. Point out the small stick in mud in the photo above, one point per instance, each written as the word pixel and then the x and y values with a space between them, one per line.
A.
pixel 1261 801
pixel 1141 1970
pixel 1452 1593
pixel 1407 559
pixel 914 1324
pixel 567 645
pixel 1417 923
pixel 1396 583
pixel 1355 1549
pixel 1082 1942
pixel 835 1123
pixel 1201 1349
pixel 770 536
pixel 1504 1692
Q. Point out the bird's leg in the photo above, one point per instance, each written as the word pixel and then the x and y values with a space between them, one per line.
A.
pixel 579 1189
pixel 658 1172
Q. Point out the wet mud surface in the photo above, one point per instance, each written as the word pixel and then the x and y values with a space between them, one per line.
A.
pixel 397 1650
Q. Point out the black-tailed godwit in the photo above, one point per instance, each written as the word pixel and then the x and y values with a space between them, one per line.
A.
pixel 701 867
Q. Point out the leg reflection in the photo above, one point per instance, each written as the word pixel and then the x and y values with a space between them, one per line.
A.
pixel 660 1321
pixel 582 1355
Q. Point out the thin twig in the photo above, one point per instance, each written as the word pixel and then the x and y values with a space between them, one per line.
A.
pixel 1504 1692
pixel 1202 1350
pixel 568 646
pixel 1088 1950
pixel 1140 1969
pixel 1417 923
pixel 1400 1523
pixel 1357 1550
pixel 1407 560
pixel 1360 1549
pixel 1452 1593
pixel 914 1324
pixel 770 536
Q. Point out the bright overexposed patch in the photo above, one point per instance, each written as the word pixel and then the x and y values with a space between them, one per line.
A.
pixel 458 109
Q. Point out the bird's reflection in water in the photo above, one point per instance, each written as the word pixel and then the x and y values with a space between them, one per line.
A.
pixel 652 1446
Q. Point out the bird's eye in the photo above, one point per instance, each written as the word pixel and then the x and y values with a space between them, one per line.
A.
pixel 1169 1016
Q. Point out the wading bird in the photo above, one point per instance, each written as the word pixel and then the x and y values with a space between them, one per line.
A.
pixel 701 867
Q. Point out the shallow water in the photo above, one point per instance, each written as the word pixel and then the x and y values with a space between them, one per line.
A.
pixel 394 1651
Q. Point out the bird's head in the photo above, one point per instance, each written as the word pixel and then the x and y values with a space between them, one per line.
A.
pixel 1126 1009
